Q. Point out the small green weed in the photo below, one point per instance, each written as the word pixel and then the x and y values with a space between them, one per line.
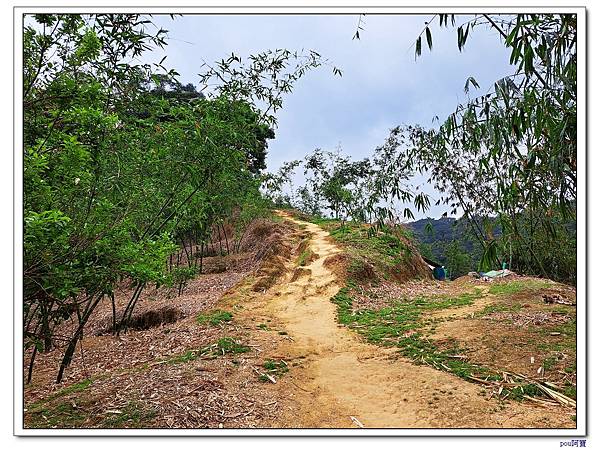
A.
pixel 571 369
pixel 274 369
pixel 549 363
pixel 518 393
pixel 223 346
pixel 215 317
pixel 229 345
pixel 133 415
pixel 570 391
pixel 304 257
pixel 186 357
pixel 513 287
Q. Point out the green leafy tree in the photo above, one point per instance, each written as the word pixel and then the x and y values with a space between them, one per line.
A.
pixel 508 153
pixel 128 173
pixel 458 261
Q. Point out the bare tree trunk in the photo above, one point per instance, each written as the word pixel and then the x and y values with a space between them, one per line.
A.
pixel 114 311
pixel 30 371
pixel 226 241
pixel 45 309
pixel 220 239
pixel 186 252
pixel 201 255
pixel 68 355
pixel 129 308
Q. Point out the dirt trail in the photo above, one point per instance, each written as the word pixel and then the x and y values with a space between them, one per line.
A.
pixel 335 375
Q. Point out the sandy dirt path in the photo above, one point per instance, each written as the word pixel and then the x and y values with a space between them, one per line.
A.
pixel 336 377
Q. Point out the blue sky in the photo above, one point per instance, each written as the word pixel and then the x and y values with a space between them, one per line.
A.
pixel 382 85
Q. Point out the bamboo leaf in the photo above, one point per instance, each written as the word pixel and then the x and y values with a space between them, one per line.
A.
pixel 429 39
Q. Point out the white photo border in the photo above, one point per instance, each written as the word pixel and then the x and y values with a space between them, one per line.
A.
pixel 582 256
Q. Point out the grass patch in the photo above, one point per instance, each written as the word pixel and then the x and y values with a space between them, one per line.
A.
pixel 567 329
pixel 499 307
pixel 549 363
pixel 274 369
pixel 61 415
pixel 423 351
pixel 305 257
pixel 71 389
pixel 401 325
pixel 373 244
pixel 571 391
pixel 229 345
pixel 75 387
pixel 324 221
pixel 518 393
pixel 571 369
pixel 222 347
pixel 186 357
pixel 565 342
pixel 214 318
pixel 464 299
pixel 133 415
pixel 514 287
pixel 399 317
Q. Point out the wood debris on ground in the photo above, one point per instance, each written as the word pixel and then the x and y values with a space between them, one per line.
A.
pixel 162 372
pixel 524 319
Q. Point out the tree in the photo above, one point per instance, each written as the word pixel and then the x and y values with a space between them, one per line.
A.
pixel 458 260
pixel 75 83
pixel 127 172
pixel 334 184
pixel 509 153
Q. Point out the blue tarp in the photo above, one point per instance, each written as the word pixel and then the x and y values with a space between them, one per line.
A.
pixel 439 273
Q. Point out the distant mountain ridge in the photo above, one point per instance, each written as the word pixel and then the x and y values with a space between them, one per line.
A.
pixel 444 231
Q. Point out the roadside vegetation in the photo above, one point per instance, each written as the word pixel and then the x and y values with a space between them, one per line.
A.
pixel 408 324
pixel 512 324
